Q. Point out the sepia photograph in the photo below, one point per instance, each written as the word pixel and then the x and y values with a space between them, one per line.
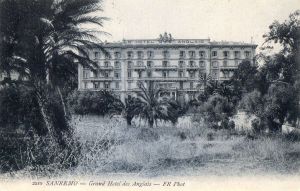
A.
pixel 150 95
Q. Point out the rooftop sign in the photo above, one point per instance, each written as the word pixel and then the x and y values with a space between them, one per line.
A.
pixel 167 39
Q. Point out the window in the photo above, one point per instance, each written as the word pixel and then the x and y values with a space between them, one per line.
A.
pixel 96 85
pixel 140 54
pixel 129 64
pixel 150 54
pixel 180 74
pixel 140 74
pixel 96 73
pixel 237 54
pixel 165 63
pixel 247 54
pixel 117 65
pixel 226 74
pixel 181 64
pixel 149 64
pixel 129 54
pixel 97 55
pixel 236 63
pixel 182 54
pixel 214 53
pixel 85 74
pixel 117 75
pixel 129 74
pixel 117 55
pixel 202 54
pixel 226 54
pixel 215 64
pixel 149 74
pixel 85 85
pixel 129 87
pixel 106 64
pixel 202 64
pixel 192 64
pixel 166 54
pixel 225 63
pixel 192 74
pixel 164 74
pixel 192 54
pixel 106 74
pixel 107 56
pixel 191 85
pixel 117 85
pixel 106 85
pixel 181 85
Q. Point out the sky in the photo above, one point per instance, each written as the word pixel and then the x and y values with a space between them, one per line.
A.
pixel 228 20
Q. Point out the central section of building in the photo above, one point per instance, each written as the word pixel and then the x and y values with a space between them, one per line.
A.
pixel 180 66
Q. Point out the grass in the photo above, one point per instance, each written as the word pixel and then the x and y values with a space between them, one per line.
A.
pixel 109 147
pixel 187 149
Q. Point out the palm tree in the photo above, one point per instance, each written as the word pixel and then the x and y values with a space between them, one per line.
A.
pixel 47 41
pixel 152 107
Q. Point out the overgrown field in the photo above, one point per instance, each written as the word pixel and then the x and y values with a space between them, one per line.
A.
pixel 110 148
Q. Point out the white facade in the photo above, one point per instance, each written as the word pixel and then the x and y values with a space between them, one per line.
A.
pixel 180 66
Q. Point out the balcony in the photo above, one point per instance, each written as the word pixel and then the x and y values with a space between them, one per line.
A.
pixel 192 68
pixel 162 79
pixel 139 67
pixel 191 90
pixel 106 68
pixel 100 79
pixel 165 67
pixel 228 67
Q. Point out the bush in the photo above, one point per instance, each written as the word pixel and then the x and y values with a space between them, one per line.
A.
pixel 19 151
pixel 94 102
pixel 19 111
pixel 216 111
pixel 24 138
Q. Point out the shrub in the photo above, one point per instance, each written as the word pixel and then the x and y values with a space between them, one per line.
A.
pixel 216 111
pixel 94 102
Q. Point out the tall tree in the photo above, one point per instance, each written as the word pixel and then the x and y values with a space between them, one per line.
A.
pixel 43 41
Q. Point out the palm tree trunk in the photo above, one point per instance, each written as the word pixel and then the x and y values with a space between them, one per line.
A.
pixel 151 122
pixel 43 110
pixel 62 101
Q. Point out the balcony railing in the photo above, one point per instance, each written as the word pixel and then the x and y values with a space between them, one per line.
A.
pixel 139 67
pixel 165 67
pixel 106 68
pixel 230 67
pixel 192 67
pixel 191 89
pixel 163 79
pixel 100 79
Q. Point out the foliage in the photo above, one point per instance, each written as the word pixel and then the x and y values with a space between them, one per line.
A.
pixel 285 33
pixel 94 102
pixel 19 110
pixel 131 108
pixel 152 108
pixel 216 110
pixel 43 42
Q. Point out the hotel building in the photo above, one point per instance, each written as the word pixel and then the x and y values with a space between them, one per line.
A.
pixel 180 66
